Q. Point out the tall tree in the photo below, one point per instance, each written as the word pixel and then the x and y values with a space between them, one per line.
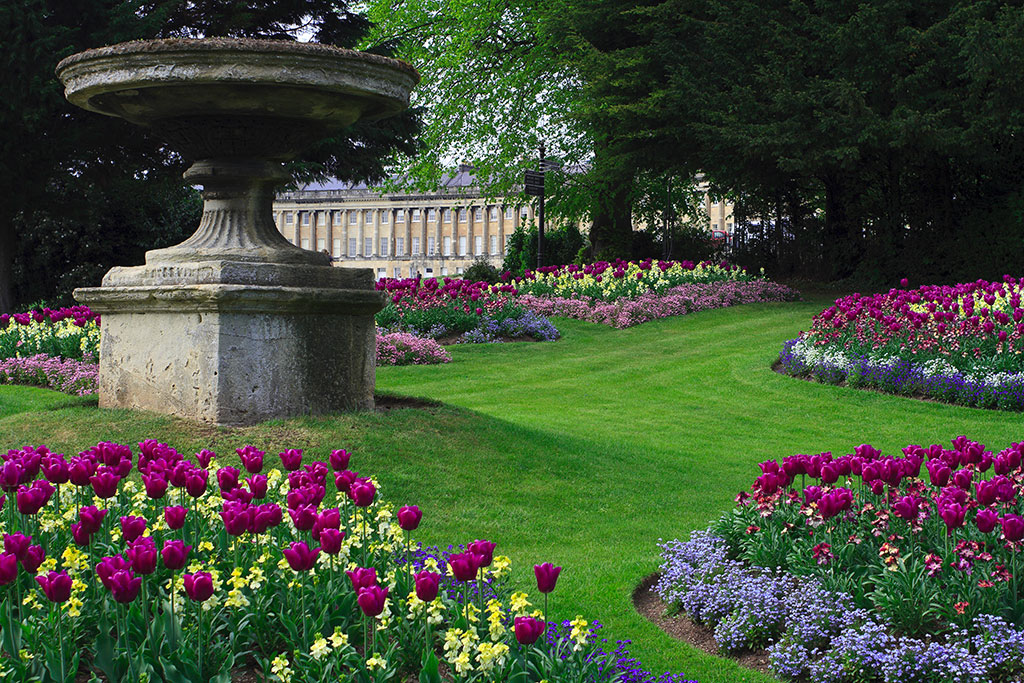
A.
pixel 50 150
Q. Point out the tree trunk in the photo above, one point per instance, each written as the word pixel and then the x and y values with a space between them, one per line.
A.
pixel 611 235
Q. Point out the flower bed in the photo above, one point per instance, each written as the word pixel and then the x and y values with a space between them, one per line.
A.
pixel 604 281
pixel 70 333
pixel 867 567
pixel 960 344
pixel 679 300
pixel 70 376
pixel 200 567
pixel 402 348
pixel 458 310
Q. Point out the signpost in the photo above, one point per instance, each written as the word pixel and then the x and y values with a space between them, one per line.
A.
pixel 534 185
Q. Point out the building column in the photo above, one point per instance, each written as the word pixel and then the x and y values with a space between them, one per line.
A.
pixel 376 236
pixel 361 231
pixel 501 231
pixel 487 232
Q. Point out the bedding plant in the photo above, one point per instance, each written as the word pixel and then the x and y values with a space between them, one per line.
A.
pixel 867 567
pixel 960 343
pixel 149 565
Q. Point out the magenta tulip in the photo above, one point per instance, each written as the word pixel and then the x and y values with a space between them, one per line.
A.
pixel 132 528
pixel 56 586
pixel 8 568
pixel 142 555
pixel 363 492
pixel 362 577
pixel 528 629
pixel 330 541
pixel 175 554
pixel 252 459
pixel 409 517
pixel 371 600
pixel 300 557
pixel 339 460
pixel 953 515
pixel 303 517
pixel 427 585
pixel 17 544
pixel 124 585
pixel 484 550
pixel 156 485
pixel 174 515
pixel 291 459
pixel 205 457
pixel 80 535
pixel 1013 528
pixel 986 520
pixel 104 483
pixel 196 482
pixel 258 486
pixel 547 575
pixel 464 565
pixel 55 469
pixel 198 586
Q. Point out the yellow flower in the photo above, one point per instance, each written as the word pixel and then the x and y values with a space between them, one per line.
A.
pixel 491 654
pixel 338 638
pixel 319 649
pixel 462 663
pixel 518 603
pixel 279 667
pixel 376 662
pixel 205 546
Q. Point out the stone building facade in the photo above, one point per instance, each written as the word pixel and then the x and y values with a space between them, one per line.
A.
pixel 401 234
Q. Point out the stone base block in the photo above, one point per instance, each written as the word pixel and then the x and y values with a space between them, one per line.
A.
pixel 233 354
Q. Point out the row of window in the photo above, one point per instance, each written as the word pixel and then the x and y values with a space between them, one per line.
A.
pixel 385 215
pixel 399 244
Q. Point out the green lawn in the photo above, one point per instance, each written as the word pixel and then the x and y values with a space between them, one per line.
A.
pixel 583 452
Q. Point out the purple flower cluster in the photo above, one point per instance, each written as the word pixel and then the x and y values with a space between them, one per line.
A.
pixel 403 348
pixel 819 635
pixel 905 377
pixel 80 314
pixel 68 376
pixel 680 300
pixel 526 324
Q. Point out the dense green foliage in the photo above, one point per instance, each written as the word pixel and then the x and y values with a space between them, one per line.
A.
pixel 561 246
pixel 80 185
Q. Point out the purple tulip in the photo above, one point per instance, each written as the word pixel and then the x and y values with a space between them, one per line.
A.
pixel 55 469
pixel 80 535
pixel 252 459
pixel 291 459
pixel 986 520
pixel 175 554
pixel 34 556
pixel 963 478
pixel 528 629
pixel 56 586
pixel 80 470
pixel 363 492
pixel 11 475
pixel 907 508
pixel 812 494
pixel 156 485
pixel 108 566
pixel 258 486
pixel 303 517
pixel 104 483
pixel 227 478
pixel 1013 527
pixel 8 568
pixel 132 528
pixel 362 577
pixel 17 544
pixel 91 518
pixel 343 480
pixel 205 457
pixel 547 575
pixel 237 517
pixel 174 515
pixel 484 550
pixel 300 557
pixel 427 585
pixel 986 492
pixel 953 515
pixel 30 500
pixel 330 540
pixel 142 555
pixel 196 482
pixel 938 473
pixel 339 460
pixel 371 600
pixel 409 517
pixel 464 566
pixel 199 586
pixel 266 517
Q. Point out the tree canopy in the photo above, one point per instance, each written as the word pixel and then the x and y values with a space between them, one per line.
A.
pixel 82 185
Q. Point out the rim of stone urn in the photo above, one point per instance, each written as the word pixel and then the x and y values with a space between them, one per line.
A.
pixel 253 61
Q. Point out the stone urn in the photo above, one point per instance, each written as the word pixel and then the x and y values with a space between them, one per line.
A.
pixel 236 325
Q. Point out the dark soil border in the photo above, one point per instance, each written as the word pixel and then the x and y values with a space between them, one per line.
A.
pixel 649 605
